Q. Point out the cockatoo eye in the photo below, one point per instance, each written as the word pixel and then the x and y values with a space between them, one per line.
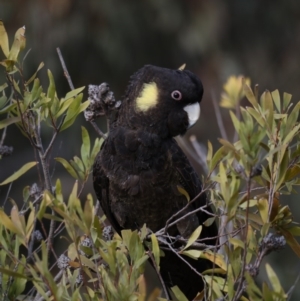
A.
pixel 176 95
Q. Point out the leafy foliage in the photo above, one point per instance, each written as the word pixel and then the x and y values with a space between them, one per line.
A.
pixel 246 179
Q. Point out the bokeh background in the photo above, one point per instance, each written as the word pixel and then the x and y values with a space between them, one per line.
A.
pixel 110 40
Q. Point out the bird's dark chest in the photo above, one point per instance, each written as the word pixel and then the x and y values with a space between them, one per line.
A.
pixel 142 179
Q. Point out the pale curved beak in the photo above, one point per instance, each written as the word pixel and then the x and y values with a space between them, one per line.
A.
pixel 193 112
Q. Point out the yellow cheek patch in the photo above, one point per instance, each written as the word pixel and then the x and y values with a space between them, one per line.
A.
pixel 148 97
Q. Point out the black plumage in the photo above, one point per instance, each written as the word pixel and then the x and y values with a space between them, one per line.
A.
pixel 140 166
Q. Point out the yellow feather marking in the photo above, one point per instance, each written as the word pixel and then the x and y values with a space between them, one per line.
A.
pixel 148 97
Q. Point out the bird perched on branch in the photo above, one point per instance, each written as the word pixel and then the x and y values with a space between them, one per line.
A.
pixel 141 176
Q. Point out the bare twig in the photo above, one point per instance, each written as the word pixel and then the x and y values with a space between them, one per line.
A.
pixel 158 274
pixel 181 258
pixel 3 136
pixel 292 288
pixel 190 213
pixel 168 225
pixel 63 64
pixel 99 132
pixel 15 93
pixel 187 149
pixel 241 283
pixel 48 293
pixel 7 194
pixel 218 116
pixel 200 152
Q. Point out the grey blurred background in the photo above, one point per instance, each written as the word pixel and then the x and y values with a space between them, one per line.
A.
pixel 110 40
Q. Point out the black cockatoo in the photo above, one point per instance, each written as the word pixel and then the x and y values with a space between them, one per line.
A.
pixel 140 166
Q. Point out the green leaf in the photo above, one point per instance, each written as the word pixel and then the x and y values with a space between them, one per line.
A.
pixel 72 113
pixel 96 149
pixel 79 164
pixel 155 249
pixel 218 156
pixel 8 109
pixel 78 167
pixel 276 99
pixel 194 236
pixel 227 144
pixel 291 134
pixel 7 223
pixel 85 147
pixel 140 262
pixel 4 40
pixel 19 173
pixel 26 193
pixel 209 221
pixel 74 92
pixel 41 65
pixel 63 106
pixel 209 152
pixel 290 239
pixel 256 115
pixel 195 254
pixel 237 243
pixel 68 167
pixel 183 192
pixel 179 294
pixel 292 118
pixel 286 100
pixel 267 104
pixel 235 121
pixel 283 167
pixel 273 279
pixel 250 96
pixel 18 45
pixel 13 274
pixel 36 90
pixel 5 85
pixel 295 231
pixel 263 208
pixel 51 89
pixel 218 259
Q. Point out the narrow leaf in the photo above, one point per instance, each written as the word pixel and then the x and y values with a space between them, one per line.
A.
pixel 273 279
pixel 68 167
pixel 291 240
pixel 41 65
pixel 286 100
pixel 263 208
pixel 74 92
pixel 179 294
pixel 6 122
pixel 195 254
pixel 183 192
pixel 193 237
pixel 13 274
pixel 7 223
pixel 19 173
pixel 155 249
pixel 276 99
pixel 250 96
pixel 4 40
pixel 85 147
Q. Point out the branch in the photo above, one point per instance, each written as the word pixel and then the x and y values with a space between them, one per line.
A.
pixel 181 258
pixel 200 152
pixel 99 132
pixel 63 64
pixel 242 285
pixel 158 274
pixel 218 116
